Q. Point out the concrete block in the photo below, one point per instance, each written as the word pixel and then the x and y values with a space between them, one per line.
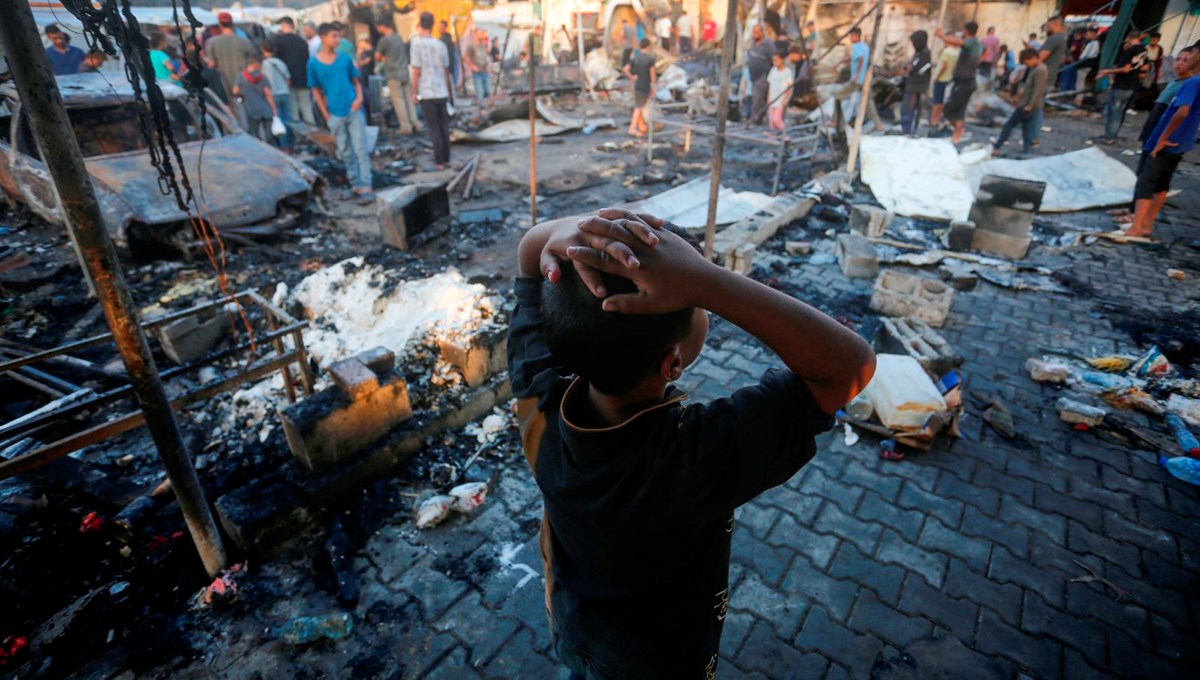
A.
pixel 406 211
pixel 921 342
pixel 741 261
pixel 1073 412
pixel 1007 206
pixel 856 256
pixel 924 299
pixel 995 243
pixel 762 225
pixel 1041 370
pixel 353 377
pixel 869 219
pixel 191 337
pixel 331 426
pixel 263 514
pixel 381 360
pixel 477 356
pixel 795 248
pixel 960 236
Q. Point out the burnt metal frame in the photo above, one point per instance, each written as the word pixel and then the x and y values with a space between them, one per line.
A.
pixel 279 325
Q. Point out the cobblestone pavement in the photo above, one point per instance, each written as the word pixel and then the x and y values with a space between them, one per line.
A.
pixel 966 559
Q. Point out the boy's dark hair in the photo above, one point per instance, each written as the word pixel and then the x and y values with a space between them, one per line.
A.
pixel 645 43
pixel 1028 53
pixel 971 28
pixel 1156 34
pixel 325 29
pixel 856 31
pixel 427 21
pixel 288 21
pixel 53 29
pixel 613 352
pixel 268 47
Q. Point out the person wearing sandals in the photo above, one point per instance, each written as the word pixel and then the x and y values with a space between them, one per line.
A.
pixel 334 80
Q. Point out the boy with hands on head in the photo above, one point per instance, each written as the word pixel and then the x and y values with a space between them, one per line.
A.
pixel 639 487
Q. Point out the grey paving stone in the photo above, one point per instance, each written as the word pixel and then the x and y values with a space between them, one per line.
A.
pixel 867 477
pixel 482 632
pixel 812 481
pixel 453 666
pixel 527 606
pixel 884 579
pixel 761 600
pixel 987 500
pixel 776 658
pixel 1008 568
pixel 805 580
pixel 766 562
pixel 1041 656
pixel 1002 598
pixel 1128 659
pixel 518 659
pixel 958 616
pixel 434 591
pixel 1051 525
pixel 1158 540
pixel 974 551
pixel 948 510
pixel 1084 635
pixel 864 535
pixel 801 505
pixel 790 534
pixel 1084 540
pixel 737 627
pixel 1049 500
pixel 1013 536
pixel 896 628
pixel 1076 666
pixel 821 634
pixel 757 516
pixel 930 565
pixel 905 522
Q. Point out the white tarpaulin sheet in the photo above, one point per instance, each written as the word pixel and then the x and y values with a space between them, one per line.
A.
pixel 928 178
pixel 1078 180
pixel 917 177
pixel 687 204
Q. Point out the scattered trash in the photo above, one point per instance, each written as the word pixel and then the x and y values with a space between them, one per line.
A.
pixel 469 496
pixel 1134 398
pixel 851 437
pixel 10 647
pixel 902 394
pixel 338 552
pixel 860 407
pixel 887 450
pixel 822 258
pixel 1177 274
pixel 1187 469
pixel 1152 363
pixel 795 248
pixel 223 590
pixel 1071 411
pixel 1000 418
pixel 308 629
pixel 1113 363
pixel 1108 381
pixel 443 474
pixel 1188 409
pixel 434 511
pixel 1185 438
pixel 1042 370
pixel 91 522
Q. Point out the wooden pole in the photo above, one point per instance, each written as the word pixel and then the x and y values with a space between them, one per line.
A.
pixel 710 230
pixel 42 101
pixel 532 134
pixel 941 22
pixel 852 159
pixel 583 85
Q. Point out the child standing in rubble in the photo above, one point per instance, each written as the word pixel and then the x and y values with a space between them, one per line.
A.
pixel 640 486
pixel 640 69
pixel 779 91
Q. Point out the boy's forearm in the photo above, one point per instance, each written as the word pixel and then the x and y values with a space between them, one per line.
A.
pixel 832 360
pixel 529 251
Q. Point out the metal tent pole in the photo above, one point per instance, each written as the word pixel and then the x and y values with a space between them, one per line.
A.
pixel 532 134
pixel 710 230
pixel 56 140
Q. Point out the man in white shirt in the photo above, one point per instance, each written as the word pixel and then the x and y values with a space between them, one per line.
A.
pixel 683 28
pixel 314 40
pixel 663 29
pixel 432 85
pixel 1087 58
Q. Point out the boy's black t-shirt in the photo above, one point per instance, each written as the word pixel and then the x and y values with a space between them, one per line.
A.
pixel 638 517
pixel 640 66
pixel 1127 56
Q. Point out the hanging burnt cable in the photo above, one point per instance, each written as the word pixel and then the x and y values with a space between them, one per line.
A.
pixel 110 26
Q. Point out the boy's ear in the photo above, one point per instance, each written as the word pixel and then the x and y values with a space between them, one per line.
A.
pixel 671 366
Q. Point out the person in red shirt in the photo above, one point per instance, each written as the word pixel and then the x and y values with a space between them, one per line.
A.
pixel 708 32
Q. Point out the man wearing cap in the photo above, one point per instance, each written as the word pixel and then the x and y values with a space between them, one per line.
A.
pixel 231 52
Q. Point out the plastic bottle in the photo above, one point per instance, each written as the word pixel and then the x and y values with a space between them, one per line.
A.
pixel 1187 469
pixel 1107 380
pixel 860 407
pixel 307 629
pixel 1187 440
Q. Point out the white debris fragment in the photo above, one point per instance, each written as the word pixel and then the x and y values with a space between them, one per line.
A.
pixel 433 511
pixel 469 496
pixel 851 435
pixel 281 294
pixel 485 431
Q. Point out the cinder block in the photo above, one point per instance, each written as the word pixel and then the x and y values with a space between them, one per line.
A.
pixel 381 360
pixel 869 219
pixel 795 248
pixel 353 377
pixel 960 236
pixel 856 256
pixel 478 356
pixel 742 259
pixel 263 514
pixel 408 210
pixel 924 299
pixel 916 339
pixel 330 426
pixel 191 337
pixel 995 243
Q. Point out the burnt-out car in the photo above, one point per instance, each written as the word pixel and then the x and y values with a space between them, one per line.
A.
pixel 242 184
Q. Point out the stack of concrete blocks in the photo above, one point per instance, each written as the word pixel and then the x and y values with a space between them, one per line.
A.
pixel 921 342
pixel 1003 215
pixel 917 297
pixel 477 357
pixel 747 234
pixel 869 219
pixel 406 211
pixel 856 256
pixel 367 400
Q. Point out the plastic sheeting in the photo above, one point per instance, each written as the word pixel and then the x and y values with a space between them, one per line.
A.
pixel 686 205
pixel 928 178
pixel 1078 180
